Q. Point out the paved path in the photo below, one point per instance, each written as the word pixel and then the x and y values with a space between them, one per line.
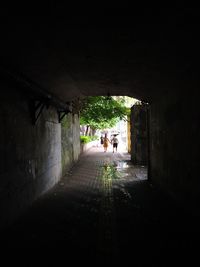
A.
pixel 104 211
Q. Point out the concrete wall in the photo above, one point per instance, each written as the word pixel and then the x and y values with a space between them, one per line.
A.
pixel 139 141
pixel 32 157
pixel 174 145
pixel 70 138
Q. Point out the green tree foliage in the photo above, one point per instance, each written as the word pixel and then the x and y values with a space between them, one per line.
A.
pixel 100 112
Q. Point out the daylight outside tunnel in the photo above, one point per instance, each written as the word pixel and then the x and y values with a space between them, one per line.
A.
pixel 99 117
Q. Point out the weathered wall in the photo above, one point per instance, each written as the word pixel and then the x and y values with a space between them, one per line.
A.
pixel 139 141
pixel 76 136
pixel 174 145
pixel 32 157
pixel 70 138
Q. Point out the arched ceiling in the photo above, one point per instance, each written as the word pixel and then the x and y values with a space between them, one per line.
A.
pixel 120 51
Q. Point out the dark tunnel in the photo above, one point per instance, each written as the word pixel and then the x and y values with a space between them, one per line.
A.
pixel 51 59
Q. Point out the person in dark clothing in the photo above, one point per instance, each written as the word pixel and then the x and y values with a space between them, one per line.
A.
pixel 101 140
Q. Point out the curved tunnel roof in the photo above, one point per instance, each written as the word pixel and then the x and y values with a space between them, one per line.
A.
pixel 119 53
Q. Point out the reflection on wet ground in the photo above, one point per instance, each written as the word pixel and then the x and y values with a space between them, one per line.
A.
pixel 110 172
pixel 115 174
pixel 103 211
pixel 124 170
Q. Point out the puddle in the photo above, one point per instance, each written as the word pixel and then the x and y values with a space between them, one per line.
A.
pixel 112 170
pixel 122 165
pixel 115 170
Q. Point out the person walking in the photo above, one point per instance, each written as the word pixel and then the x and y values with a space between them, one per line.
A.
pixel 101 139
pixel 115 143
pixel 106 142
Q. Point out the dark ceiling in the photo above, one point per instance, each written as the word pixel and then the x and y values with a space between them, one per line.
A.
pixel 95 51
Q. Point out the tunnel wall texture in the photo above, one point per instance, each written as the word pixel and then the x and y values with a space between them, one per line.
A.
pixel 139 139
pixel 70 139
pixel 32 157
pixel 174 144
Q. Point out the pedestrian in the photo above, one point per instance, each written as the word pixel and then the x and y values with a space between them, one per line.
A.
pixel 106 142
pixel 101 140
pixel 115 143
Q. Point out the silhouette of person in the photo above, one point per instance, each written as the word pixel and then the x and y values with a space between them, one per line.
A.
pixel 115 143
pixel 106 142
pixel 101 140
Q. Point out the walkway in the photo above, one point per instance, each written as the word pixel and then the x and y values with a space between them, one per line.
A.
pixel 104 211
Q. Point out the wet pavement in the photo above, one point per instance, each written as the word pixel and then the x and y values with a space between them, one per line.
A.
pixel 104 211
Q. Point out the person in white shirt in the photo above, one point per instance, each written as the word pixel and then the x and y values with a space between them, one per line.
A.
pixel 115 143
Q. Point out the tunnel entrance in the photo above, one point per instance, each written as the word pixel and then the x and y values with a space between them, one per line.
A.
pixel 131 131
